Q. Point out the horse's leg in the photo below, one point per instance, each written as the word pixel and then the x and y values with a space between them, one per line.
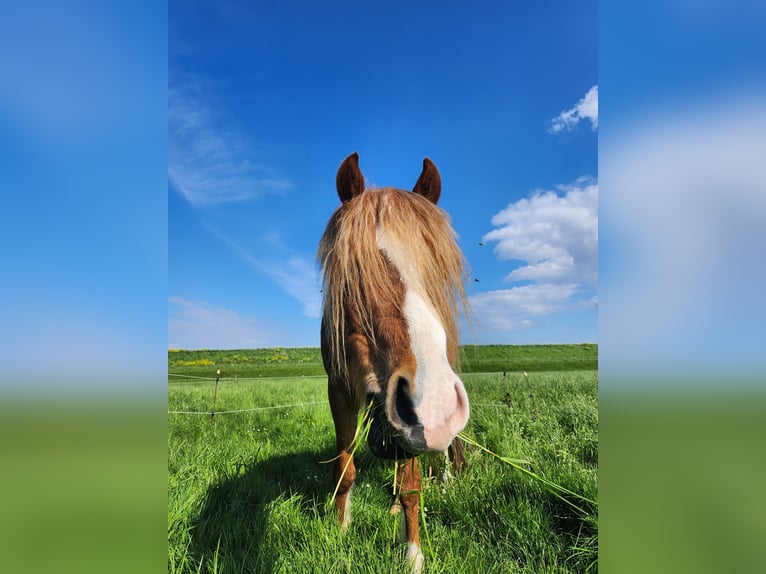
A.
pixel 344 471
pixel 446 474
pixel 457 455
pixel 409 495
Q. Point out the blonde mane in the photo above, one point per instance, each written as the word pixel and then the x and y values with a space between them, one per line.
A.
pixel 357 274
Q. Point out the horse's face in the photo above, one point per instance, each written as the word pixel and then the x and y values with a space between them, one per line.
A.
pixel 419 403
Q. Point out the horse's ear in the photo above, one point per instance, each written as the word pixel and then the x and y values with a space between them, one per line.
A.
pixel 429 183
pixel 349 180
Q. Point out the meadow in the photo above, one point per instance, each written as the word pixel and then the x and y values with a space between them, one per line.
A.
pixel 248 490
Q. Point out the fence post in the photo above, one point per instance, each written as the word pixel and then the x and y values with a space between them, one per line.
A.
pixel 215 393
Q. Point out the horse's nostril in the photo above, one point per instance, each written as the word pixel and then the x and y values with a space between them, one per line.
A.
pixel 404 403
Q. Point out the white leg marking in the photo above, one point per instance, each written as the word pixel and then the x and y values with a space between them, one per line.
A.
pixel 347 511
pixel 446 473
pixel 415 557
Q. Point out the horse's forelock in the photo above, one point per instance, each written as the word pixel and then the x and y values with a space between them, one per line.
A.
pixel 357 274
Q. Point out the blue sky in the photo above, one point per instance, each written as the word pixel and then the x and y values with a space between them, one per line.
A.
pixel 95 241
pixel 83 137
pixel 265 101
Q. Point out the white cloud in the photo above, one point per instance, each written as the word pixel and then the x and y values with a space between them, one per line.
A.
pixel 586 108
pixel 210 160
pixel 197 325
pixel 555 233
pixel 512 309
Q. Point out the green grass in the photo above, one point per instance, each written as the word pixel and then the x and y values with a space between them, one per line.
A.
pixel 247 491
pixel 497 358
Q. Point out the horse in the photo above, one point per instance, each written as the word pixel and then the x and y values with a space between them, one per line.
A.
pixel 393 287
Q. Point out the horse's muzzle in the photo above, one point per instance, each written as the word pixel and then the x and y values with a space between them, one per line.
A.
pixel 387 442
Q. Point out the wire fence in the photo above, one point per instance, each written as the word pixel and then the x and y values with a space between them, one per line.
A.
pixel 500 405
pixel 240 379
pixel 268 377
pixel 246 410
pixel 212 411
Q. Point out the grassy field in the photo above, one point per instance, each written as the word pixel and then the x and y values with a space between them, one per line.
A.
pixel 248 491
pixel 293 362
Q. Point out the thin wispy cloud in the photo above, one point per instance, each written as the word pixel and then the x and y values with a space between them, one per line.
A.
pixel 517 308
pixel 586 108
pixel 554 234
pixel 298 277
pixel 295 274
pixel 198 324
pixel 210 159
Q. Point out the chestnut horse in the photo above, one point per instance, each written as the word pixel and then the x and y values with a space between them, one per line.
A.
pixel 394 278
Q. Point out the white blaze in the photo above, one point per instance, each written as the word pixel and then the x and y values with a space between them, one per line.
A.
pixel 434 377
pixel 440 401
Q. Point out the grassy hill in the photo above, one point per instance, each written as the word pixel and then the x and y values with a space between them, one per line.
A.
pixel 307 361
